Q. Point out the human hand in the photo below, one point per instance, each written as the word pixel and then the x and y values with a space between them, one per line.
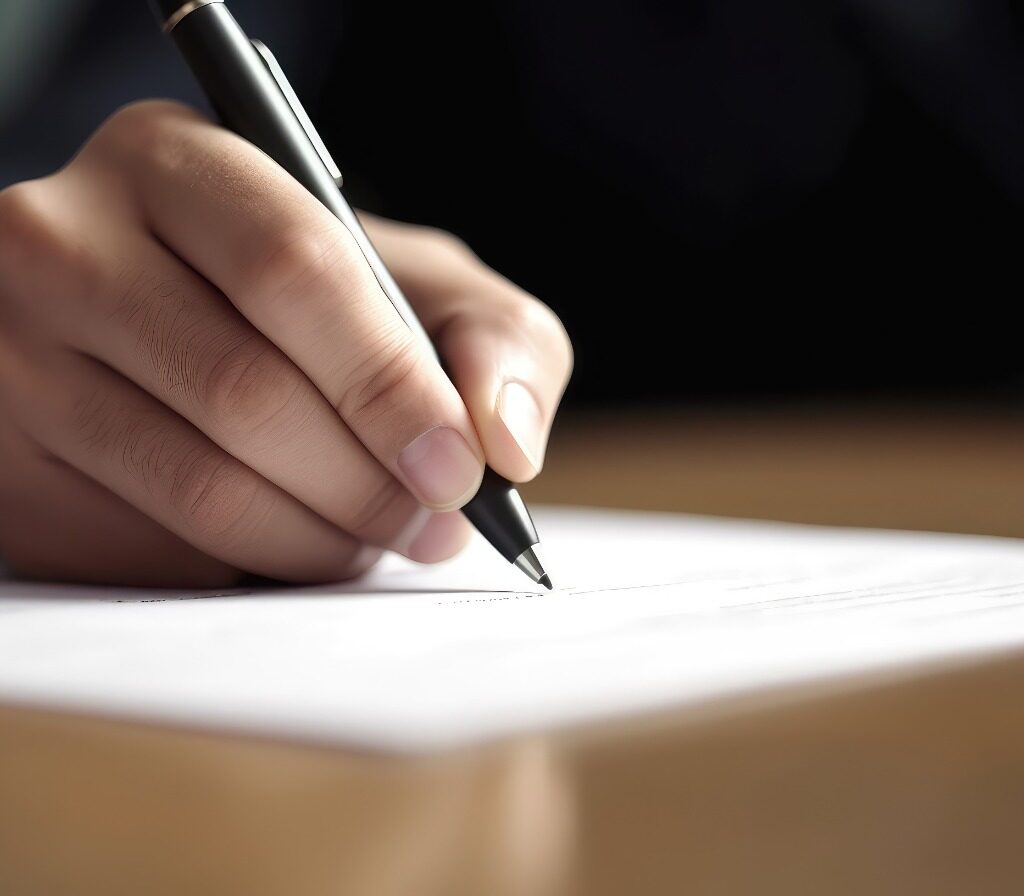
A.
pixel 200 376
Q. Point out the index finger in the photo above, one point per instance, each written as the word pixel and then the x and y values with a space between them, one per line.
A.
pixel 297 274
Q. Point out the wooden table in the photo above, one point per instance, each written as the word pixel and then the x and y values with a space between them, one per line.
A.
pixel 913 786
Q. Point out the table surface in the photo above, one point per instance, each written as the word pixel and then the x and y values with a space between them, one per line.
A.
pixel 906 786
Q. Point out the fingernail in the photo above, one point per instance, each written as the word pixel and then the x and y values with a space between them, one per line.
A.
pixel 522 418
pixel 441 469
pixel 443 537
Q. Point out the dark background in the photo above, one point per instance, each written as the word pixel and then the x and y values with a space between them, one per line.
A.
pixel 723 200
pixel 720 199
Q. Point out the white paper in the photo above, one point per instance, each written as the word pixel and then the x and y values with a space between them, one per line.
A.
pixel 650 611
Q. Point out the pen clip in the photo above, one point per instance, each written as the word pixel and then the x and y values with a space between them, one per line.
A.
pixel 277 73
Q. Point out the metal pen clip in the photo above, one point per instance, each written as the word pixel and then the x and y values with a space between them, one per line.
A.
pixel 277 73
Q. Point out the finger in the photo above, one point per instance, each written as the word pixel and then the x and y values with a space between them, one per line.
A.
pixel 507 353
pixel 169 331
pixel 93 419
pixel 297 275
pixel 511 375
pixel 156 321
pixel 63 526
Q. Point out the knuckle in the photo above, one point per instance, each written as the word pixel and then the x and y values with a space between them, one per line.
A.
pixel 137 439
pixel 287 263
pixel 538 324
pixel 558 338
pixel 534 317
pixel 153 309
pixel 435 239
pixel 248 385
pixel 142 127
pixel 445 242
pixel 39 250
pixel 380 382
pixel 372 509
pixel 215 498
pixel 159 313
pixel 210 492
pixel 26 226
pixel 230 374
pixel 95 419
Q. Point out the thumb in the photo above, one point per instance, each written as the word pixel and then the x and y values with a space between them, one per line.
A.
pixel 510 362
pixel 506 352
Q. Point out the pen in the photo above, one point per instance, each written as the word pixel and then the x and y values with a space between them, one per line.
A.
pixel 252 97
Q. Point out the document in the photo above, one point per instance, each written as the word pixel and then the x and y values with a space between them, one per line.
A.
pixel 649 612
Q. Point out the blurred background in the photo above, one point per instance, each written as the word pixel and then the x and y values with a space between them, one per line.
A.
pixel 788 227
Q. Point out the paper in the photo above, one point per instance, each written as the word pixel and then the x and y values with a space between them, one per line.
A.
pixel 650 611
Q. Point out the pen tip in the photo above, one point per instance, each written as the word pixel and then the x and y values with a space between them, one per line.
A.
pixel 529 562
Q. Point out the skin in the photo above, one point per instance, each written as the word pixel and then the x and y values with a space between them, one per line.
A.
pixel 200 377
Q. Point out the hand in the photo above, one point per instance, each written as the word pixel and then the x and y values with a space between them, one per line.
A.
pixel 200 377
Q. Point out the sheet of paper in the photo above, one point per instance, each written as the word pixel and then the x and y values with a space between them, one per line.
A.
pixel 650 611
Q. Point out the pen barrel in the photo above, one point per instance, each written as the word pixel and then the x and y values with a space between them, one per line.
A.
pixel 247 99
pixel 249 102
pixel 244 94
pixel 499 514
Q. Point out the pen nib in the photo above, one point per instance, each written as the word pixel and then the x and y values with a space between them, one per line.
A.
pixel 529 562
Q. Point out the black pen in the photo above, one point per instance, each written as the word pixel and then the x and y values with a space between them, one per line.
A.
pixel 252 97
